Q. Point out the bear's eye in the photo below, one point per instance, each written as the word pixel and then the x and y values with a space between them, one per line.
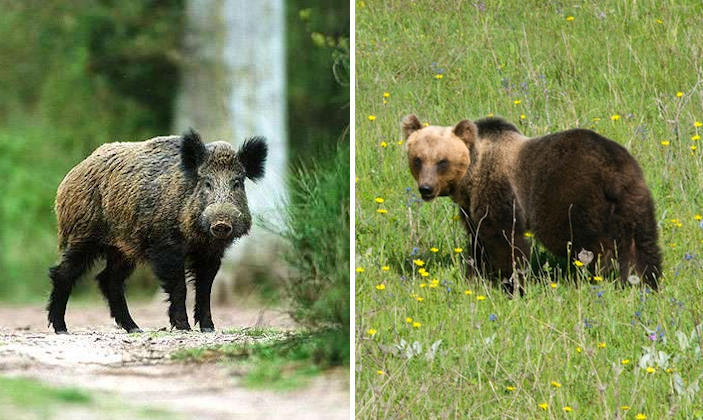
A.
pixel 417 162
pixel 442 165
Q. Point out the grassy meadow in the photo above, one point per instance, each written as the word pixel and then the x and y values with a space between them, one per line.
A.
pixel 436 345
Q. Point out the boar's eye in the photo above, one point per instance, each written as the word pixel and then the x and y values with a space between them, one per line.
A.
pixel 207 184
pixel 237 183
pixel 442 165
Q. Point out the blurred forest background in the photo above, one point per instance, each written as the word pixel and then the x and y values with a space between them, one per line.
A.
pixel 74 75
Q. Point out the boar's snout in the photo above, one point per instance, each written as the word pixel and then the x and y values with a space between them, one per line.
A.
pixel 221 230
pixel 226 221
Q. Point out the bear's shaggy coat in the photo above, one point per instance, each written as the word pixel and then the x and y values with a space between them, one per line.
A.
pixel 172 201
pixel 573 187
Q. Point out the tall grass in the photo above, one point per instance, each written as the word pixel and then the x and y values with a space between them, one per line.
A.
pixel 318 233
pixel 454 348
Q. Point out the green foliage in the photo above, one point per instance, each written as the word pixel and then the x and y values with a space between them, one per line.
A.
pixel 456 348
pixel 33 393
pixel 76 76
pixel 318 76
pixel 318 232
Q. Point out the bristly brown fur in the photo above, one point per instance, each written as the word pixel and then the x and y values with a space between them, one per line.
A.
pixel 172 201
pixel 574 187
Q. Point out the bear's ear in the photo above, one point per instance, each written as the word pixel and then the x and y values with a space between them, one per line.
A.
pixel 252 154
pixel 466 131
pixel 193 151
pixel 410 125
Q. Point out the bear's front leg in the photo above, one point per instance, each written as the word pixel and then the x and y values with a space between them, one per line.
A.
pixel 205 270
pixel 507 252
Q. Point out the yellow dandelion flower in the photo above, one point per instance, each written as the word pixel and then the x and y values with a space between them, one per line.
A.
pixel 425 274
pixel 650 369
pixel 659 21
pixel 601 345
pixel 544 406
pixel 381 286
pixel 399 142
pixel 669 370
pixel 695 138
pixel 480 298
pixel 490 114
pixel 679 94
pixel 693 148
pixel 467 292
pixel 578 349
pixel 570 18
pixel 421 270
pixel 528 235
pixel 698 217
pixel 408 320
pixel 372 117
pixel 458 250
pixel 554 285
pixel 434 285
pixel 379 200
pixel 386 94
pixel 434 250
pixel 381 211
pixel 380 372
pixel 425 124
pixel 420 298
pixel 416 324
pixel 356 179
pixel 419 262
pixel 556 384
pixel 597 278
pixel 698 124
pixel 359 269
pixel 578 263
pixel 384 144
pixel 614 117
pixel 568 409
pixel 625 362
pixel 640 416
pixel 385 268
pixel 438 76
pixel 385 102
pixel 510 388
pixel 522 116
pixel 596 119
pixel 624 407
pixel 665 143
pixel 423 285
pixel 517 101
pixel 371 332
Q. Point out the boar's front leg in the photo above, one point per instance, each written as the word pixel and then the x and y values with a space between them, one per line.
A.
pixel 205 270
pixel 169 267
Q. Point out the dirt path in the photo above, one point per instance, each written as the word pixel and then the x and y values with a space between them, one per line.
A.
pixel 99 356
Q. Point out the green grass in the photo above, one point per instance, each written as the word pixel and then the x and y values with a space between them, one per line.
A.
pixel 23 398
pixel 585 346
pixel 276 360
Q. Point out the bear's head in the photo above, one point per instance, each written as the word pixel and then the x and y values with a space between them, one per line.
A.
pixel 438 156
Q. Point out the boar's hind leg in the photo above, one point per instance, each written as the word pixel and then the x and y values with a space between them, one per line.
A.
pixel 111 281
pixel 74 261
pixel 204 270
pixel 169 267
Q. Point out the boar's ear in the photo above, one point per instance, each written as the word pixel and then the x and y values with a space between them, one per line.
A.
pixel 466 131
pixel 410 125
pixel 192 151
pixel 252 155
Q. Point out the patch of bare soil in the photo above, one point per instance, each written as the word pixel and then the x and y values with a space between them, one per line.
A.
pixel 97 355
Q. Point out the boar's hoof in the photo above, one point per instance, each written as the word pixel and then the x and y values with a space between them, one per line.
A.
pixel 135 330
pixel 207 329
pixel 181 325
pixel 61 331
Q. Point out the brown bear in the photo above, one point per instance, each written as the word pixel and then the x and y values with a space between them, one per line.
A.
pixel 574 190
